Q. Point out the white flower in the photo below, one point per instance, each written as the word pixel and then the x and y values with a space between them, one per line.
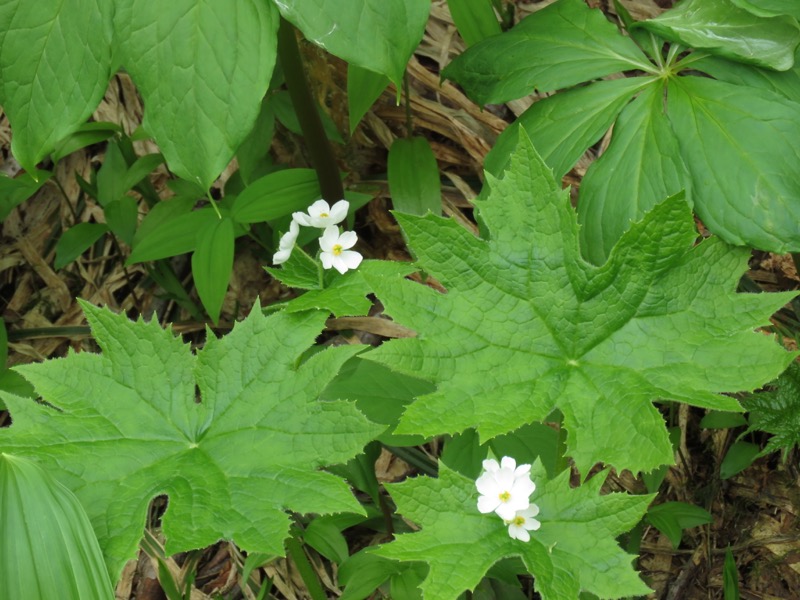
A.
pixel 335 250
pixel 523 522
pixel 505 488
pixel 321 215
pixel 286 244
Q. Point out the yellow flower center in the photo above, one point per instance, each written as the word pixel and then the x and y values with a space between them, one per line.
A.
pixel 324 215
pixel 519 521
pixel 337 249
pixel 505 496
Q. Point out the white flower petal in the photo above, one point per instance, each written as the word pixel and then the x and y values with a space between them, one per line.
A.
pixel 490 465
pixel 329 238
pixel 351 259
pixel 487 504
pixel 281 256
pixel 508 463
pixel 348 239
pixel 339 211
pixel 522 470
pixel 532 524
pixel 506 511
pixel 301 218
pixel 327 259
pixel 339 264
pixel 519 533
pixel 319 207
pixel 486 484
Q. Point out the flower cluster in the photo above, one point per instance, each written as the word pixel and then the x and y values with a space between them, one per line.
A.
pixel 506 489
pixel 335 246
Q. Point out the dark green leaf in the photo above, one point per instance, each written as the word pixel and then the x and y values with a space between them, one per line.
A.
pixel 363 573
pixel 363 88
pixel 300 271
pixel 140 169
pixel 786 83
pixel 212 263
pixel 122 216
pixel 380 393
pixel 778 411
pixel 281 104
pixel 716 419
pixel 174 235
pixel 463 453
pixel 730 577
pixel 111 176
pixel 671 518
pixel 324 536
pixel 742 148
pixel 563 126
pixel 76 240
pixel 561 45
pixel 14 191
pixel 640 168
pixel 474 19
pixel 414 177
pixel 253 154
pixel 85 135
pixel 379 35
pixel 768 8
pixel 722 28
pixel 276 195
pixel 533 441
pixel 740 456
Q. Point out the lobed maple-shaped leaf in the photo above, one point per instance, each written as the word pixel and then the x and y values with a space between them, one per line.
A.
pixel 121 427
pixel 527 326
pixel 574 550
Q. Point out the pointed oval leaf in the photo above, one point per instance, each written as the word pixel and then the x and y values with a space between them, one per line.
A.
pixel 172 234
pixel 202 68
pixel 722 28
pixel 414 177
pixel 742 148
pixel 379 35
pixel 561 45
pixel 55 62
pixel 212 263
pixel 276 195
pixel 363 88
pixel 76 240
pixel 48 548
pixel 474 19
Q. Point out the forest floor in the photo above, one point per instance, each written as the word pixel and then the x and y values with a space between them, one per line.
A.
pixel 755 512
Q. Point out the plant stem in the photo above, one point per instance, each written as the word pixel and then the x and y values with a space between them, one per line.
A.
pixel 409 121
pixel 310 122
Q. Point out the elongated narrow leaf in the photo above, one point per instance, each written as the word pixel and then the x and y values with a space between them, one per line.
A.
pixel 202 67
pixel 276 195
pixel 768 8
pixel 474 19
pixel 527 326
pixel 41 518
pixel 379 35
pixel 563 126
pixel 559 46
pixel 786 83
pixel 363 88
pixel 231 458
pixel 574 550
pixel 85 135
pixel 719 26
pixel 175 234
pixel 414 177
pixel 742 149
pixel 640 168
pixel 55 62
pixel 76 240
pixel 212 263
pixel 671 518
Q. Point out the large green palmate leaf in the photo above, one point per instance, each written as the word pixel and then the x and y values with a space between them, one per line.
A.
pixel 527 326
pixel 785 83
pixel 202 67
pixel 121 427
pixel 723 28
pixel 379 35
pixel 543 53
pixel 640 168
pixel 55 62
pixel 742 148
pixel 574 550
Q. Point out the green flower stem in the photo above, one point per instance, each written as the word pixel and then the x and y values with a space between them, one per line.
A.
pixel 310 122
